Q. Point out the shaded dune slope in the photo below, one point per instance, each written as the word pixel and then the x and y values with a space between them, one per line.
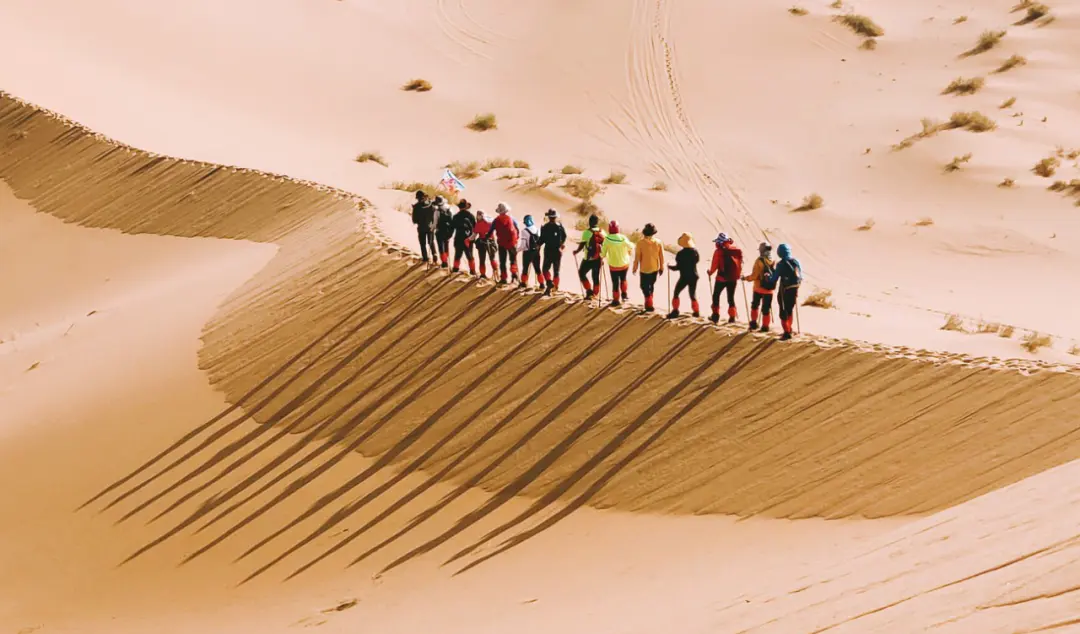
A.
pixel 343 343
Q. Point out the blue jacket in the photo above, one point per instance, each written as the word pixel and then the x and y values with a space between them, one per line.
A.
pixel 788 273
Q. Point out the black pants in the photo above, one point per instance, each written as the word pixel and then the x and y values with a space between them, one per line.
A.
pixel 487 252
pixel 788 296
pixel 590 268
pixel 552 263
pixel 530 258
pixel 719 288
pixel 427 242
pixel 462 248
pixel 762 301
pixel 506 253
pixel 443 242
pixel 618 284
pixel 648 283
pixel 689 283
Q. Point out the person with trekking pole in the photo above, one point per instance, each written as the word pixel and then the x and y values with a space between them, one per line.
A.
pixel 592 240
pixel 788 274
pixel 485 246
pixel 425 217
pixel 529 245
pixel 763 288
pixel 553 242
pixel 618 253
pixel 444 229
pixel 463 225
pixel 727 266
pixel 686 263
pixel 649 263
pixel 504 229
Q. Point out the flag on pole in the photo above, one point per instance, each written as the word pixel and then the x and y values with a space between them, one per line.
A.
pixel 451 182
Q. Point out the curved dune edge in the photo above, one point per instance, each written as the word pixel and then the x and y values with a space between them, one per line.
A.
pixel 343 338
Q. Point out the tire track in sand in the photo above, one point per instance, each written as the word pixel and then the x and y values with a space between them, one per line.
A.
pixel 464 37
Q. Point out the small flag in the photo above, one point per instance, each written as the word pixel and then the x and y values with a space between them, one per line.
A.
pixel 451 182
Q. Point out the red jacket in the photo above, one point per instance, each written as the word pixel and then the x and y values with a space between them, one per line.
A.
pixel 506 234
pixel 727 263
pixel 482 228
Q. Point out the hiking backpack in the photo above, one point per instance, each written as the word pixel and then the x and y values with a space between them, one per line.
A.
pixel 766 273
pixel 732 263
pixel 595 244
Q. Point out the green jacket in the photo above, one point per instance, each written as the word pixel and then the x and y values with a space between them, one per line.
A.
pixel 617 251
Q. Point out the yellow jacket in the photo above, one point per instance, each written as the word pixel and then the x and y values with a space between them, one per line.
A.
pixel 649 255
pixel 759 272
pixel 617 251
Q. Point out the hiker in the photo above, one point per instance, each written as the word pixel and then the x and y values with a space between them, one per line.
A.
pixel 727 266
pixel 788 274
pixel 424 217
pixel 553 239
pixel 649 260
pixel 505 230
pixel 686 263
pixel 444 229
pixel 485 246
pixel 592 239
pixel 618 252
pixel 529 245
pixel 464 223
pixel 763 288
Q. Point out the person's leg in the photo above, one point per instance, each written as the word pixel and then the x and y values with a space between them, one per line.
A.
pixel 503 254
pixel 482 252
pixel 443 243
pixel 615 286
pixel 546 272
pixel 597 266
pixel 459 250
pixel 717 289
pixel 648 285
pixel 557 266
pixel 583 277
pixel 526 260
pixel 470 258
pixel 513 262
pixel 732 312
pixel 421 235
pixel 766 311
pixel 624 284
pixel 755 304
pixel 693 297
pixel 679 286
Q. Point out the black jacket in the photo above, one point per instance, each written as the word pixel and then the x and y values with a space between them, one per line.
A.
pixel 463 224
pixel 444 221
pixel 686 261
pixel 423 215
pixel 552 236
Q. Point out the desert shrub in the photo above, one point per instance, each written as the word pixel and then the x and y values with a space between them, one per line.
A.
pixel 1007 183
pixel 636 235
pixel 615 178
pixel 954 323
pixel 1074 350
pixel 659 186
pixel 987 40
pixel 797 11
pixel 582 188
pixel 972 121
pixel 570 170
pixel 1011 63
pixel 417 85
pixel 1034 341
pixel 930 127
pixel 989 328
pixel 1058 186
pixel 1008 103
pixel 964 86
pixel 672 248
pixel 867 225
pixel 924 222
pixel 1047 166
pixel 466 170
pixel 954 165
pixel 1006 332
pixel 869 44
pixel 837 4
pixel 372 157
pixel 960 19
pixel 510 176
pixel 860 24
pixel 483 122
pixel 496 163
pixel 1035 11
pixel 521 165
pixel 428 188
pixel 821 298
pixel 813 201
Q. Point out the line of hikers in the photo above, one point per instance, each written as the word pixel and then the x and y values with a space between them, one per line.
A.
pixel 542 249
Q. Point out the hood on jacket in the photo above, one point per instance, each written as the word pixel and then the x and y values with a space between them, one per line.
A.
pixel 528 220
pixel 616 237
pixel 783 251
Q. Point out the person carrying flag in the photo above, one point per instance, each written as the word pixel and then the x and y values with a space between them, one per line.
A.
pixel 592 240
pixel 618 252
pixel 424 217
pixel 763 289
pixel 649 260
pixel 686 262
pixel 553 239
pixel 485 245
pixel 444 229
pixel 727 266
pixel 505 230
pixel 463 226
pixel 788 273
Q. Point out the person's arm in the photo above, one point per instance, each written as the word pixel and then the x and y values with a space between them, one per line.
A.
pixel 637 262
pixel 715 262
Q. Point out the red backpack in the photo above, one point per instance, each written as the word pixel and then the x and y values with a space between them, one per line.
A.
pixel 732 263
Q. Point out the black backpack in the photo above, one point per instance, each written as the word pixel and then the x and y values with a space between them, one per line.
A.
pixel 766 273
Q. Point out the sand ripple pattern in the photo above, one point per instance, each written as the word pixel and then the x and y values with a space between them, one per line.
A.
pixel 458 25
pixel 343 343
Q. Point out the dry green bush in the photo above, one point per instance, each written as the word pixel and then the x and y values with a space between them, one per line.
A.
pixel 465 170
pixel 483 122
pixel 1020 6
pixel 615 178
pixel 930 127
pixel 837 4
pixel 960 19
pixel 987 40
pixel 417 85
pixel 971 121
pixel 867 225
pixel 813 201
pixel 1047 166
pixel 1045 21
pixel 954 165
pixel 521 165
pixel 570 170
pixel 963 86
pixel 497 163
pixel 860 24
pixel 869 44
pixel 1006 332
pixel 821 298
pixel 954 323
pixel 1035 11
pixel 533 183
pixel 1007 183
pixel 989 328
pixel 1058 186
pixel 582 188
pixel 372 157
pixel 511 176
pixel 797 11
pixel 1034 341
pixel 582 224
pixel 1074 350
pixel 672 248
pixel 1008 103
pixel 636 235
pixel 428 188
pixel 659 186
pixel 1011 63
pixel 924 222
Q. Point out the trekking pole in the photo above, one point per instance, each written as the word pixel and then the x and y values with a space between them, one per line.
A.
pixel 603 282
pixel 578 267
pixel 746 304
pixel 798 328
pixel 667 274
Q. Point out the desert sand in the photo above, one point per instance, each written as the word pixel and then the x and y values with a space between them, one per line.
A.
pixel 233 400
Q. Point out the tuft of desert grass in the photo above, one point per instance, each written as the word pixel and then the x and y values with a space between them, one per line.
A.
pixel 924 222
pixel 533 183
pixel 582 224
pixel 1007 183
pixel 954 165
pixel 615 178
pixel 521 165
pixel 954 323
pixel 1058 186
pixel 964 86
pixel 636 236
pixel 1034 341
pixel 483 122
pixel 496 163
pixel 987 40
pixel 962 18
pixel 1008 103
pixel 512 176
pixel 428 188
pixel 417 85
pixel 1020 6
pixel 821 298
pixel 671 248
pixel 988 328
pixel 1074 350
pixel 1006 332
pixel 797 11
pixel 971 121
pixel 1035 11
pixel 813 201
pixel 1045 21
pixel 860 24
pixel 869 44
pixel 372 157
pixel 1011 63
pixel 867 225
pixel 659 186
pixel 582 188
pixel 930 127
pixel 466 170
pixel 837 4
pixel 570 170
pixel 1047 166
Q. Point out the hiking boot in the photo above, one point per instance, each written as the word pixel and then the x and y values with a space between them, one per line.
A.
pixel 501 283
pixel 443 266
pixel 696 314
pixel 673 314
pixel 455 270
pixel 715 319
pixel 786 336
pixel 522 285
pixel 753 325
pixel 650 309
pixel 764 329
pixel 730 320
pixel 483 276
pixel 588 295
pixel 547 292
pixel 616 303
